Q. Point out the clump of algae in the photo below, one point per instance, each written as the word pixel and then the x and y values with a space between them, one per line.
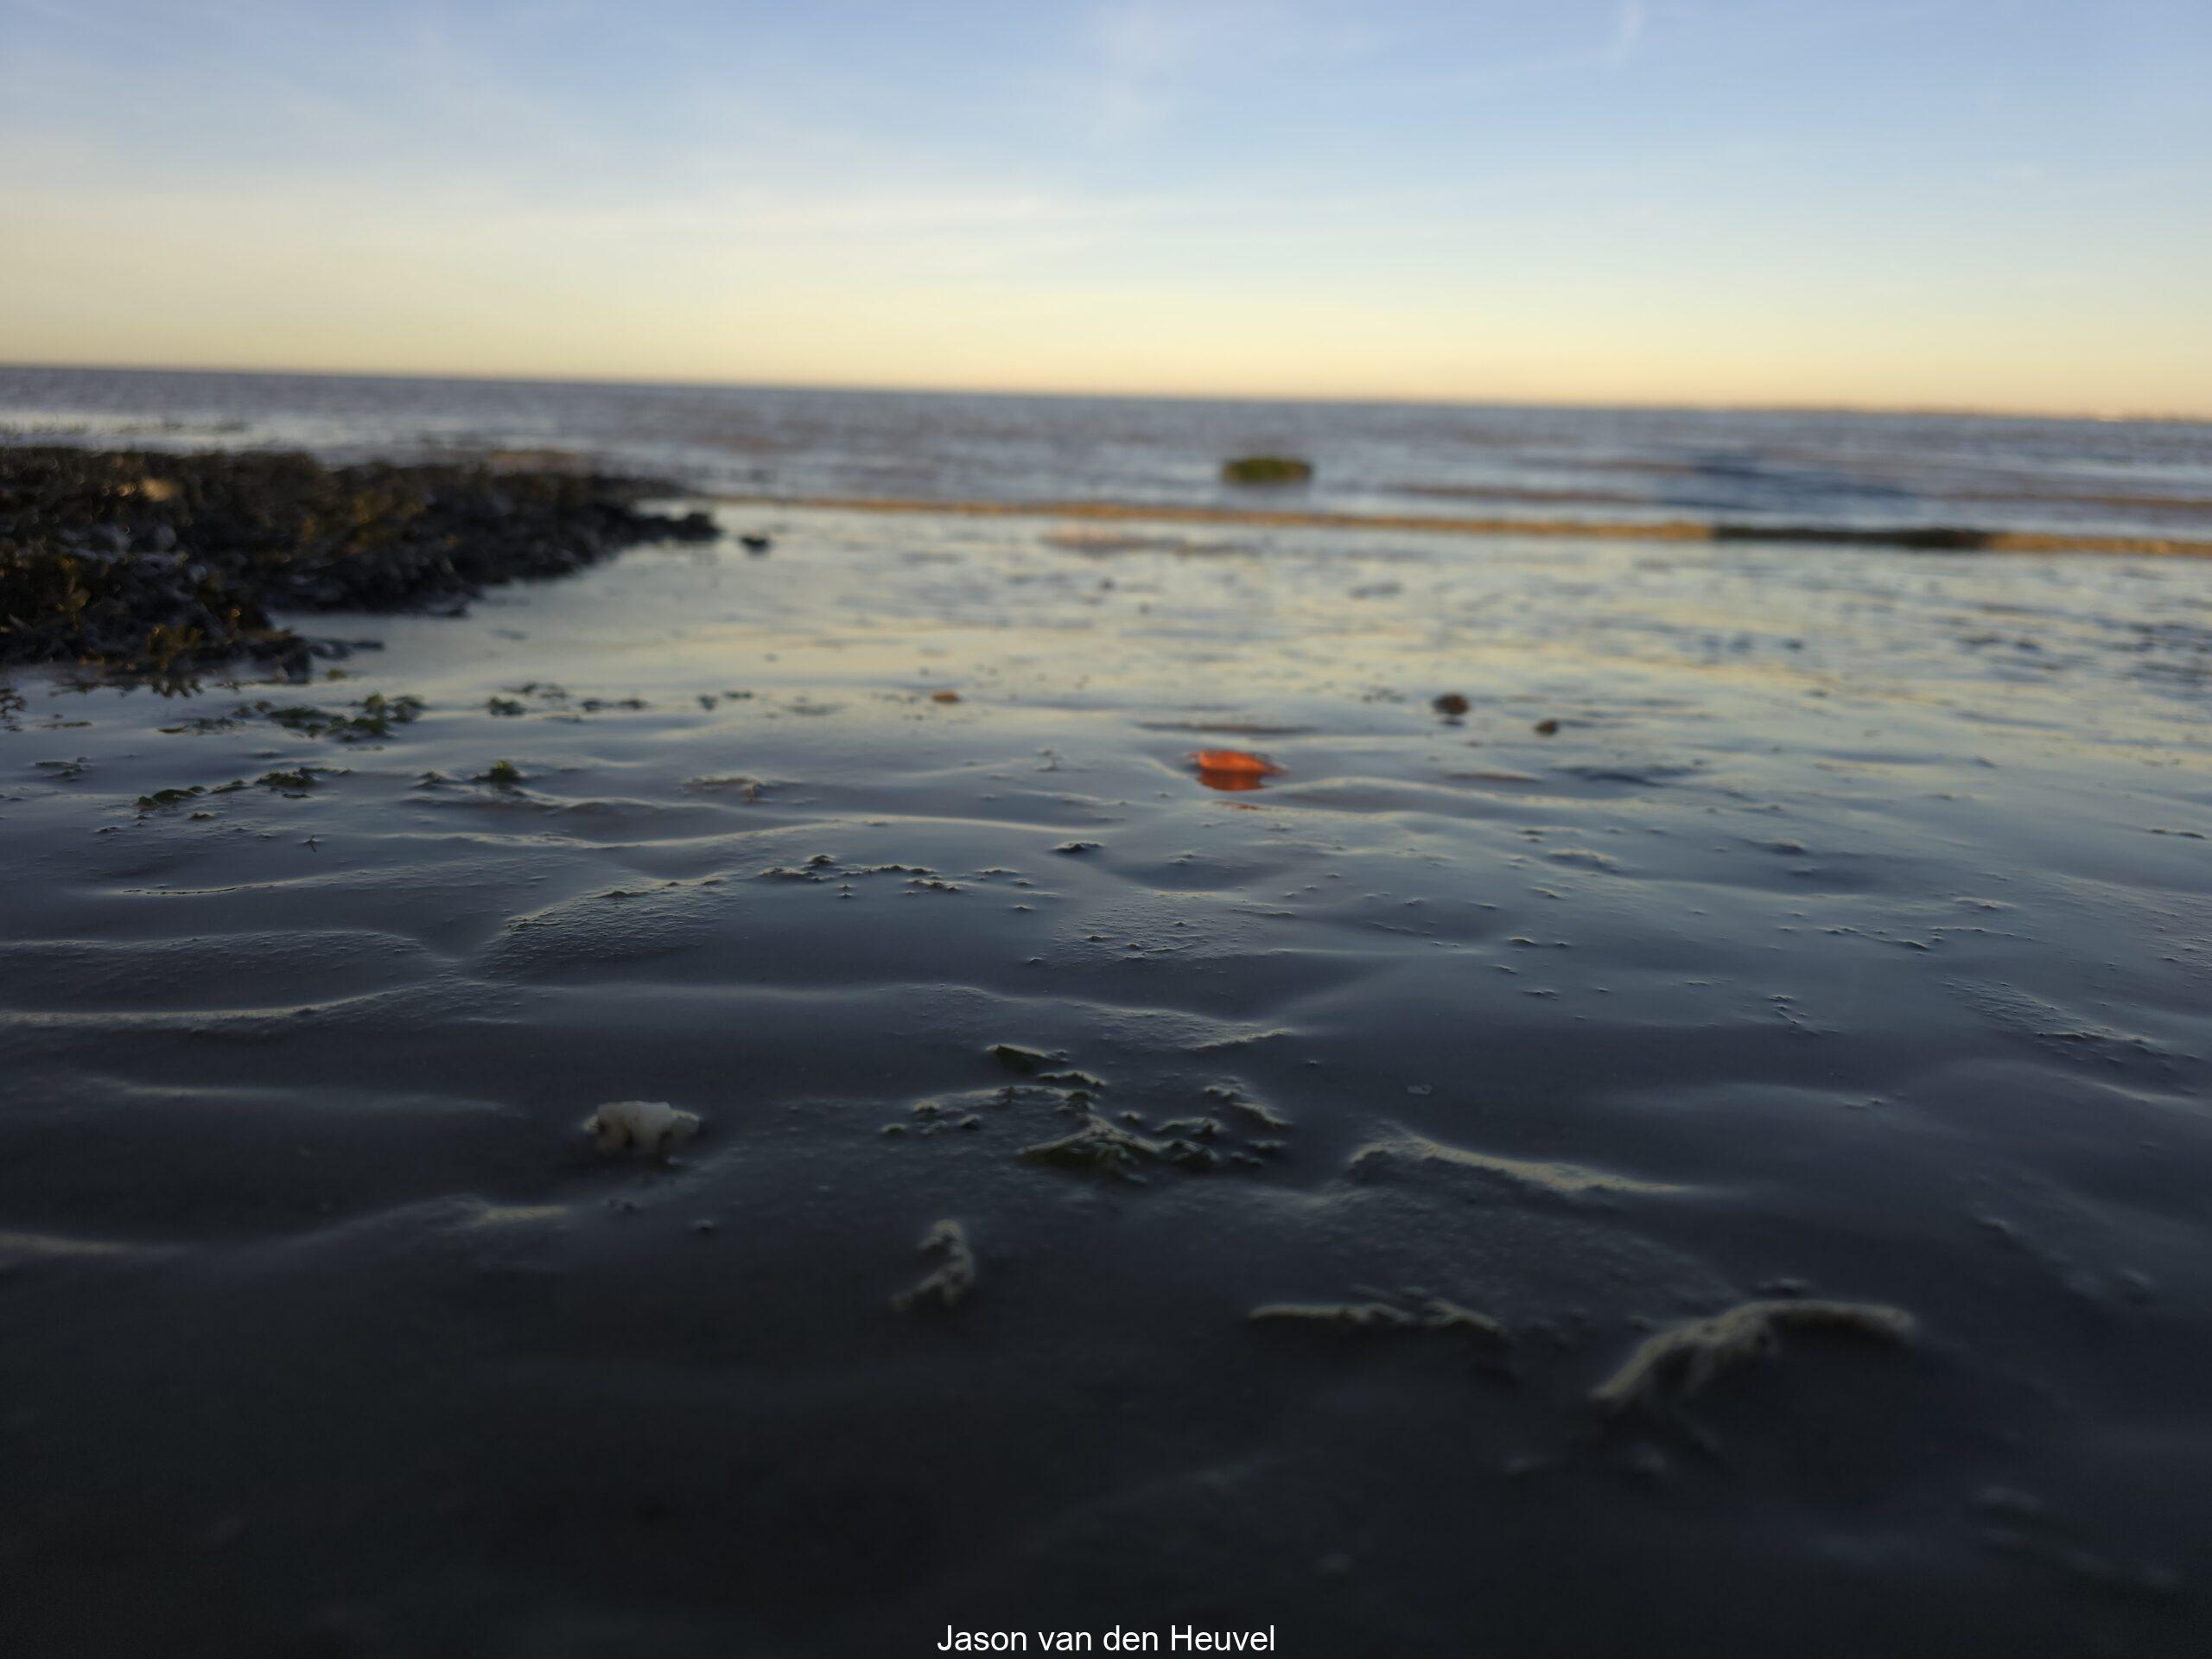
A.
pixel 1100 1148
pixel 1261 1113
pixel 162 799
pixel 1680 1361
pixel 953 1278
pixel 1097 1146
pixel 372 720
pixel 297 781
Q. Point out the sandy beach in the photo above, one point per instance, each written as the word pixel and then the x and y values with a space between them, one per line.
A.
pixel 1753 926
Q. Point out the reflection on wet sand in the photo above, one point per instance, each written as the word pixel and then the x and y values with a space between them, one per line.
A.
pixel 1936 539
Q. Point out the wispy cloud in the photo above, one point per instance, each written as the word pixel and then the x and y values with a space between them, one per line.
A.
pixel 1143 49
pixel 1151 57
pixel 1629 24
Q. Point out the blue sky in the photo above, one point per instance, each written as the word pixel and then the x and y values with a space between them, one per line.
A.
pixel 1998 203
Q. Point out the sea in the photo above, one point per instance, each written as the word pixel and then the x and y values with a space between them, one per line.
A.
pixel 1544 465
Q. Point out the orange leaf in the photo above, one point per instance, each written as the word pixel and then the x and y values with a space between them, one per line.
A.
pixel 1236 762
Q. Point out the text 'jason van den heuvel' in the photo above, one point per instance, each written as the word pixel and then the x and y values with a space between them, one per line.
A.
pixel 1177 1638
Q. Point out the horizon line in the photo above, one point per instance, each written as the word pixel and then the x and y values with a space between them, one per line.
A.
pixel 1954 411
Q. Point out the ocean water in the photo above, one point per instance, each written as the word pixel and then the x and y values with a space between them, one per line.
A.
pixel 1771 925
pixel 1841 470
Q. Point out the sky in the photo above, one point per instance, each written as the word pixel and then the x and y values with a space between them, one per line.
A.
pixel 1994 204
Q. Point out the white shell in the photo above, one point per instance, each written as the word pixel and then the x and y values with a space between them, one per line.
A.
pixel 651 1126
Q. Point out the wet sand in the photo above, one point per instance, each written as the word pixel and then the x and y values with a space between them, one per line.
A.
pixel 1775 925
pixel 1940 538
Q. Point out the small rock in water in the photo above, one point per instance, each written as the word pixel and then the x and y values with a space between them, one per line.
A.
pixel 1547 728
pixel 755 543
pixel 1451 704
pixel 649 1126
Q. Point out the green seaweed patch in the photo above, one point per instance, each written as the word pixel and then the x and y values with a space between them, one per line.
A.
pixel 1228 1095
pixel 369 720
pixel 1267 469
pixel 1122 1149
pixel 162 799
pixel 1098 1149
pixel 1118 1152
pixel 820 868
pixel 502 774
pixel 506 707
pixel 297 781
pixel 372 720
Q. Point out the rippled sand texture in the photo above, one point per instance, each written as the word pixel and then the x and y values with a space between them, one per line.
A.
pixel 1846 939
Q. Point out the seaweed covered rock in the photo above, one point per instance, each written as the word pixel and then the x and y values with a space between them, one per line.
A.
pixel 1267 469
pixel 165 563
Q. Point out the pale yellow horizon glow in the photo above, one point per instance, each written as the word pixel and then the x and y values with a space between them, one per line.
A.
pixel 1131 343
pixel 993 297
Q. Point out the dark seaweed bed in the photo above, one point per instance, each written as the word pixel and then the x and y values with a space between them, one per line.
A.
pixel 1846 938
pixel 158 564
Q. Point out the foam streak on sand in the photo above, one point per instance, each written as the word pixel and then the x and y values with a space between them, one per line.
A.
pixel 1931 538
